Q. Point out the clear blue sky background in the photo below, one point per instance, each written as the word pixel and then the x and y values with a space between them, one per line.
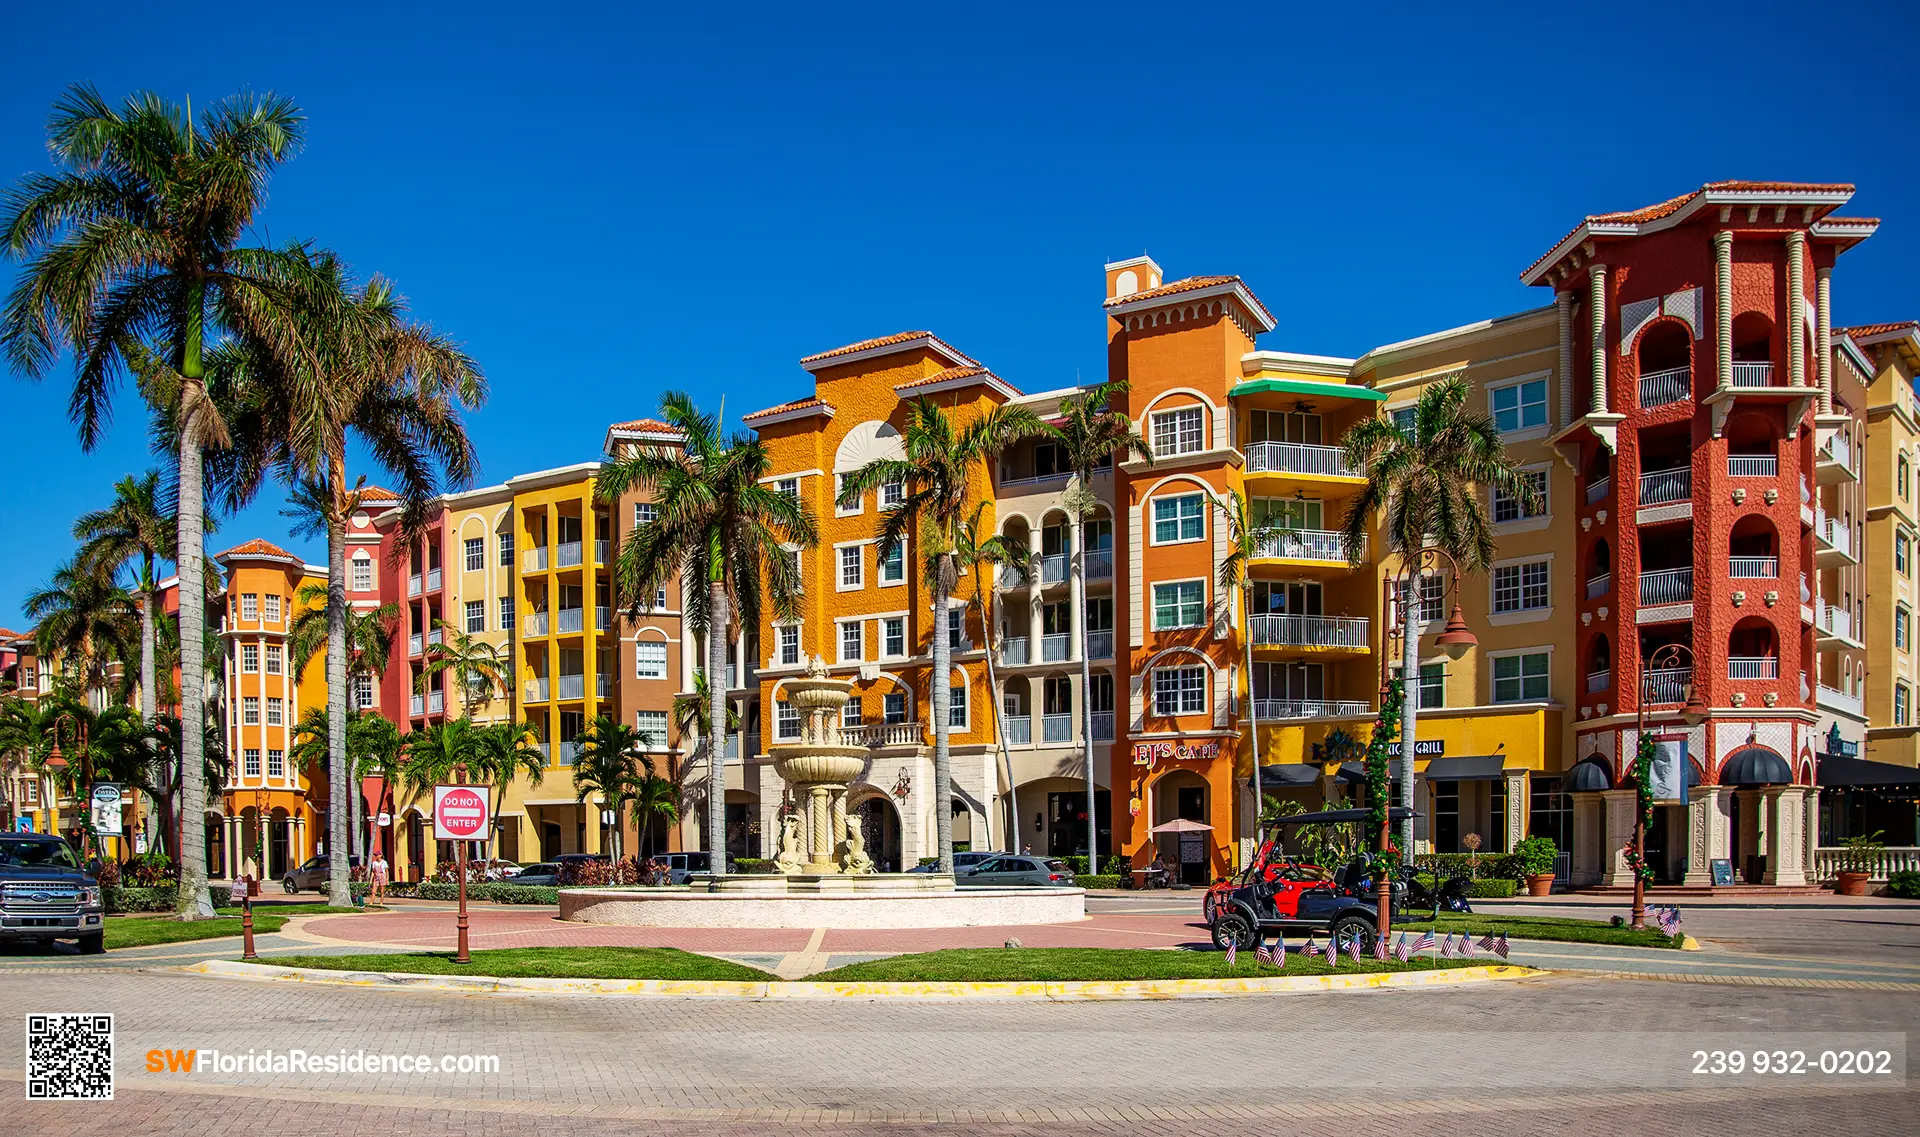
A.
pixel 608 203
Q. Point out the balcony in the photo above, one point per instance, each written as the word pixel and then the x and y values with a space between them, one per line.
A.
pixel 433 580
pixel 1662 486
pixel 1598 586
pixel 1839 702
pixel 535 690
pixel 1881 863
pixel 602 684
pixel 1753 375
pixel 1053 569
pixel 1832 542
pixel 1269 710
pixel 417 705
pixel 573 687
pixel 1018 729
pixel 1100 644
pixel 1752 466
pixel 1099 564
pixel 601 550
pixel 1299 458
pixel 536 624
pixel 434 636
pixel 1013 651
pixel 545 751
pixel 884 734
pixel 534 560
pixel 1598 490
pixel 1834 627
pixel 413 585
pixel 1753 568
pixel 414 643
pixel 1349 632
pixel 1056 728
pixel 436 702
pixel 602 618
pixel 1667 685
pixel 1306 545
pixel 1658 388
pixel 1055 648
pixel 1012 576
pixel 1103 726
pixel 572 620
pixel 571 750
pixel 1666 586
pixel 567 555
pixel 1834 462
pixel 1753 667
pixel 1598 681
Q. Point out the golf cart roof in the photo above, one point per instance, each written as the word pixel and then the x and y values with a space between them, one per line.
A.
pixel 1329 816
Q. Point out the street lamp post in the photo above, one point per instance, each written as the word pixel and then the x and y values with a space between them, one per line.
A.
pixel 84 788
pixel 1693 712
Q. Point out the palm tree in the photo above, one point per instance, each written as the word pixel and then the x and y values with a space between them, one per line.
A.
pixel 133 247
pixel 479 667
pixel 214 771
pixel 936 478
pixel 1095 436
pixel 605 767
pixel 135 529
pixel 981 555
pixel 117 748
pixel 85 619
pixel 507 751
pixel 1425 484
pixel 431 756
pixel 1244 538
pixel 720 526
pixel 653 798
pixel 692 711
pixel 364 371
pixel 373 746
pixel 370 632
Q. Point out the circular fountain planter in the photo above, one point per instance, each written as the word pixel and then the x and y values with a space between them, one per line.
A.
pixel 872 900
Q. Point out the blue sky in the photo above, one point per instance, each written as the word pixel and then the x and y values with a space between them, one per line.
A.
pixel 605 203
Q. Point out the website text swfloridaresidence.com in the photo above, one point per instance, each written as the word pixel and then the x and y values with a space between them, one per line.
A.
pixel 297 1061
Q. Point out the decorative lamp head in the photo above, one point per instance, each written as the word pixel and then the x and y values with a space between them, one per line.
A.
pixel 1456 639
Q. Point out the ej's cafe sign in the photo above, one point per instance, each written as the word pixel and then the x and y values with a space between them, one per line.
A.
pixel 1147 753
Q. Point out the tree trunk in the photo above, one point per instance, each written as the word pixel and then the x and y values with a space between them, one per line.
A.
pixel 1410 704
pixel 717 726
pixel 1077 588
pixel 339 792
pixel 1011 838
pixel 194 902
pixel 149 686
pixel 942 701
pixel 1253 733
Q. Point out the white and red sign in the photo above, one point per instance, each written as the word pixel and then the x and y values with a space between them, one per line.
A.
pixel 1148 753
pixel 461 813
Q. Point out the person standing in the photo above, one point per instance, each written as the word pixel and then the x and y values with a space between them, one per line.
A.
pixel 377 877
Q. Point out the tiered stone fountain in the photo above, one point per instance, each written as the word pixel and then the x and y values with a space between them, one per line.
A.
pixel 825 878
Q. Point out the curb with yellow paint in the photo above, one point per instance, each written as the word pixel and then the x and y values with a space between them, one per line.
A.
pixel 1045 991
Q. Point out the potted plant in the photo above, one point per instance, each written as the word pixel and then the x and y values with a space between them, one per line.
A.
pixel 1857 857
pixel 1537 856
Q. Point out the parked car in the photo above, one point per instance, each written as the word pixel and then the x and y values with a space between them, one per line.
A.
pixel 681 867
pixel 543 875
pixel 1018 870
pixel 963 863
pixel 44 895
pixel 311 875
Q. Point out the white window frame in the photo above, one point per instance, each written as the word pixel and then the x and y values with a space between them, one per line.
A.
pixel 1179 686
pixel 1438 681
pixel 473 554
pixel 476 616
pixel 1153 596
pixel 251 757
pixel 273 608
pixel 786 721
pixel 276 763
pixel 840 628
pixel 1175 500
pixel 362 690
pixel 250 606
pixel 249 659
pixel 655 652
pixel 654 727
pixel 1520 520
pixel 893 494
pixel 858 563
pixel 249 710
pixel 1523 613
pixel 506 613
pixel 1519 384
pixel 1172 423
pixel 362 569
pixel 644 513
pixel 887 700
pixel 276 712
pixel 1523 654
pixel 1902 703
pixel 276 661
pixel 1903 552
pixel 887 626
pixel 1902 628
pixel 897 560
pixel 788 486
pixel 859 505
pixel 960 704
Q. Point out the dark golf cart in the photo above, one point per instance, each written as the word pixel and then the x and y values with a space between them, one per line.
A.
pixel 1279 892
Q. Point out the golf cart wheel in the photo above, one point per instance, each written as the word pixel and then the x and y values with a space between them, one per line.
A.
pixel 1232 928
pixel 1207 906
pixel 1349 928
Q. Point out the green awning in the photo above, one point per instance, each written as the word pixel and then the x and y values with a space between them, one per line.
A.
pixel 1303 387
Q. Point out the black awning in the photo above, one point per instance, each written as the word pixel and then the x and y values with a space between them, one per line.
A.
pixel 1588 776
pixel 1286 775
pixel 1859 772
pixel 1755 766
pixel 1478 768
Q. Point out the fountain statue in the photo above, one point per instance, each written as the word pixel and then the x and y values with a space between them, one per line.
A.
pixel 817 768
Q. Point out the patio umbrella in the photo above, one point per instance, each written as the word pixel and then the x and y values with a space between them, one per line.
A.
pixel 1181 825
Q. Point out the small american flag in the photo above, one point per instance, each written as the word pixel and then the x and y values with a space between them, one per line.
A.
pixel 1262 954
pixel 1400 949
pixel 1311 948
pixel 1353 949
pixel 1466 946
pixel 1333 953
pixel 1668 918
pixel 1446 947
pixel 1424 943
pixel 1233 951
pixel 1500 946
pixel 1280 950
pixel 1486 942
pixel 1380 946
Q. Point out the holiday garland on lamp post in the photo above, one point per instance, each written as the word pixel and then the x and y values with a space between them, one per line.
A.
pixel 1643 794
pixel 1386 728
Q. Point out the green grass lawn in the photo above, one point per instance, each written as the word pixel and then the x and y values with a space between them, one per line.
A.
pixel 555 963
pixel 154 928
pixel 978 965
pixel 1542 928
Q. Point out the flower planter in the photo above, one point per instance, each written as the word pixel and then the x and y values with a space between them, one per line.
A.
pixel 1539 883
pixel 1851 883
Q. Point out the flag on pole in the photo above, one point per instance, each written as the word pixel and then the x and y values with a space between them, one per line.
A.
pixel 1333 953
pixel 1466 946
pixel 1353 949
pixel 1233 951
pixel 1312 948
pixel 1424 943
pixel 1380 946
pixel 1500 946
pixel 1280 950
pixel 1486 942
pixel 1400 949
pixel 1446 947
pixel 1668 918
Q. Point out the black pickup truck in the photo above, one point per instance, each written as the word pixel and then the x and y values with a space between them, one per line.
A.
pixel 44 895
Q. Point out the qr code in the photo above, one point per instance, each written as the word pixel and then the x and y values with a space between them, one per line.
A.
pixel 70 1057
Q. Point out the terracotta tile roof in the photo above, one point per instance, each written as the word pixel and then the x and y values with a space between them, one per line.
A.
pixel 10 634
pixel 1673 205
pixel 377 493
pixel 943 376
pixel 1189 284
pixel 257 548
pixel 649 425
pixel 1836 219
pixel 887 341
pixel 807 403
pixel 1865 331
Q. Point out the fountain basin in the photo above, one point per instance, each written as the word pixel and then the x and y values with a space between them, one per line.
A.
pixel 872 900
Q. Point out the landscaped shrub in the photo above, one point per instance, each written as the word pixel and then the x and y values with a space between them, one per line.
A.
pixel 1099 880
pixel 754 866
pixel 136 898
pixel 1904 884
pixel 490 892
pixel 1505 866
pixel 148 870
pixel 1491 888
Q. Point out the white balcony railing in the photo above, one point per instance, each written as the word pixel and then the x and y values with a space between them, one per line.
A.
pixel 1881 863
pixel 571 620
pixel 1661 486
pixel 433 580
pixel 536 624
pixel 436 702
pixel 1667 685
pixel 567 555
pixel 417 705
pixel 413 585
pixel 534 560
pixel 602 618
pixel 1833 700
pixel 1598 681
pixel 573 686
pixel 1753 667
pixel 1658 388
pixel 1012 576
pixel 1666 586
pixel 1753 374
pixel 1310 631
pixel 1019 730
pixel 414 643
pixel 1269 710
pixel 545 750
pixel 1013 651
pixel 1752 466
pixel 1306 545
pixel 1056 728
pixel 434 636
pixel 600 550
pixel 884 734
pixel 570 751
pixel 1100 644
pixel 536 690
pixel 1053 568
pixel 1598 586
pixel 602 684
pixel 1299 458
pixel 1103 726
pixel 1055 648
pixel 1834 533
pixel 1836 621
pixel 1099 564
pixel 1598 489
pixel 1753 568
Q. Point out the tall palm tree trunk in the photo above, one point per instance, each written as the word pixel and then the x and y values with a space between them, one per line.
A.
pixel 339 872
pixel 942 700
pixel 717 724
pixel 1011 838
pixel 1410 706
pixel 194 903
pixel 1077 586
pixel 149 684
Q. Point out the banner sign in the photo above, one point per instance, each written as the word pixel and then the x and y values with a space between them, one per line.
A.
pixel 1669 778
pixel 1147 753
pixel 461 813
pixel 106 809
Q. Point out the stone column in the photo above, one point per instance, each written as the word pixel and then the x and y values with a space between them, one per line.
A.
pixel 1034 624
pixel 1723 308
pixel 1823 335
pixel 1710 827
pixel 1797 308
pixel 1597 300
pixel 590 840
pixel 1786 836
pixel 1589 823
pixel 819 835
pixel 1810 860
pixel 837 822
pixel 1563 306
pixel 1620 806
pixel 1519 806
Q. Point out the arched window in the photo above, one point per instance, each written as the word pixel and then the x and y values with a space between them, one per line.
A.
pixel 1666 364
pixel 1753 651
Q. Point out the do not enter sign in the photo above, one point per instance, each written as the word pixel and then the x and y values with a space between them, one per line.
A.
pixel 461 813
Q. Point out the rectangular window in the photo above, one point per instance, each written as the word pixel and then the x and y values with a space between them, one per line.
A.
pixel 250 658
pixel 276 664
pixel 506 613
pixel 1902 703
pixel 1181 518
pixel 1520 678
pixel 249 606
pixel 839 487
pixel 852 714
pixel 644 513
pixel 1902 620
pixel 957 629
pixel 362 574
pixel 506 549
pixel 1520 406
pixel 1433 684
pixel 474 550
pixel 273 609
pixel 652 727
pixel 786 720
pixel 892 493
pixel 660 599
pixel 649 660
pixel 363 691
pixel 790 487
pixel 852 567
pixel 1521 587
pixel 1179 691
pixel 1903 554
pixel 250 710
pixel 852 640
pixel 789 646
pixel 1514 509
pixel 894 637
pixel 1178 431
pixel 957 706
pixel 476 616
pixel 893 565
pixel 276 763
pixel 894 707
pixel 253 761
pixel 1181 604
pixel 276 713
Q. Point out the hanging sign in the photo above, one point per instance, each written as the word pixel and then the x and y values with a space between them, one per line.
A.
pixel 1669 778
pixel 106 809
pixel 1147 753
